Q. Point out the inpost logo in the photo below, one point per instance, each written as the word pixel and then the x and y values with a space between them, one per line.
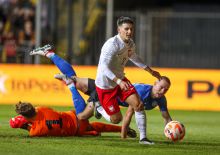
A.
pixel 33 84
pixel 3 78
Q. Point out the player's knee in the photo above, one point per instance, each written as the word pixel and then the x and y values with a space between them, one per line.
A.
pixel 115 119
pixel 138 107
pixel 134 101
pixel 81 116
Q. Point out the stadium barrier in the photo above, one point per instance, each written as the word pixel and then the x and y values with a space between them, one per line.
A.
pixel 191 89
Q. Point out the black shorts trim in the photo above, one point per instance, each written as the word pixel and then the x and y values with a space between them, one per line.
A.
pixel 91 86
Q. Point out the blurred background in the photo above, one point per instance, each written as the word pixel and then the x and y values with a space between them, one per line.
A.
pixel 169 33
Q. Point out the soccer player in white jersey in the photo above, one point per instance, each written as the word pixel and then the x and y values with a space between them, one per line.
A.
pixel 111 81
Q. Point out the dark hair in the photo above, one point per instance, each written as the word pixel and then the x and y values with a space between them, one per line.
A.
pixel 166 79
pixel 25 109
pixel 121 20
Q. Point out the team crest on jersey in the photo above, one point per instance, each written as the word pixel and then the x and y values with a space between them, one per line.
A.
pixel 111 108
pixel 154 103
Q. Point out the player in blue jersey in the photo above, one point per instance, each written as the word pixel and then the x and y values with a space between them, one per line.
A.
pixel 151 96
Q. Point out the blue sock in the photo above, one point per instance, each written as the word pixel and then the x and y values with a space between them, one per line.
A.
pixel 78 101
pixel 63 65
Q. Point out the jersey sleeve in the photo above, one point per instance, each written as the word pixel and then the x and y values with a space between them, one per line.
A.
pixel 162 103
pixel 136 59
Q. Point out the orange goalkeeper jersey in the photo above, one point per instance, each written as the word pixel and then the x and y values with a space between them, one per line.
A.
pixel 49 122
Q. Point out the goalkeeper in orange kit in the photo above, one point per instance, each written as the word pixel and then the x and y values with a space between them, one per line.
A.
pixel 44 121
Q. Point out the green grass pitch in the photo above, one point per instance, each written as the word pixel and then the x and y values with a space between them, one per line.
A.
pixel 202 137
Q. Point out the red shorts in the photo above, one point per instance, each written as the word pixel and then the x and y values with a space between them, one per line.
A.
pixel 108 97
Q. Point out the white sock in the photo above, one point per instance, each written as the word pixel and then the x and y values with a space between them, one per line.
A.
pixel 140 118
pixel 104 114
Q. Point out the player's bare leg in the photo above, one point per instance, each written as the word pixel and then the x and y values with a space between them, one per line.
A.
pixel 81 83
pixel 88 112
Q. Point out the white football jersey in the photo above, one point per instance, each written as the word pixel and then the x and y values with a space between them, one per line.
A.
pixel 114 56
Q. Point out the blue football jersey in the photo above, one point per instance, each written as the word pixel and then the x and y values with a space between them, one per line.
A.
pixel 144 92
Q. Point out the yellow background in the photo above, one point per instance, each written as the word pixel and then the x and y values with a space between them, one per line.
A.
pixel 35 84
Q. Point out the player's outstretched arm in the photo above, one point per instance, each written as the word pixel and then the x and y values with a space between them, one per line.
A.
pixel 138 62
pixel 126 122
pixel 166 117
pixel 19 122
pixel 153 72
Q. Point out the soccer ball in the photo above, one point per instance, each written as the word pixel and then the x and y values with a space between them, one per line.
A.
pixel 175 131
